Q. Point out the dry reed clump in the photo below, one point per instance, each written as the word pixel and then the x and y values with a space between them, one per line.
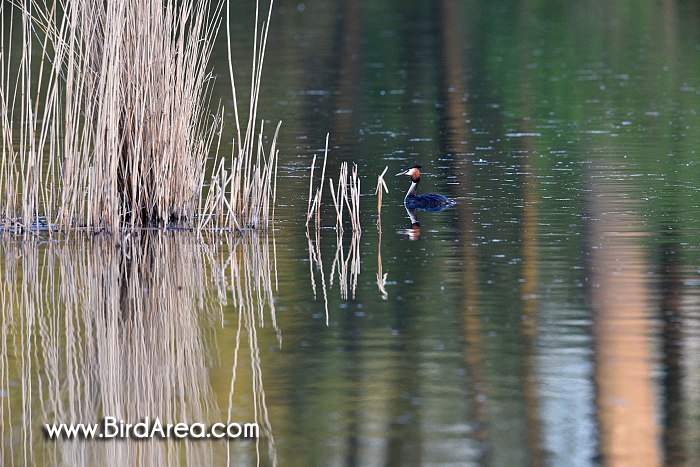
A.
pixel 111 120
pixel 345 195
pixel 105 120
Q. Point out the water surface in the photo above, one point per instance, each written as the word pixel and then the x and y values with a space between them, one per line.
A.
pixel 551 317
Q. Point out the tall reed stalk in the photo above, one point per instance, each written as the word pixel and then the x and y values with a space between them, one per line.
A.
pixel 313 208
pixel 352 198
pixel 346 195
pixel 339 194
pixel 244 189
pixel 381 185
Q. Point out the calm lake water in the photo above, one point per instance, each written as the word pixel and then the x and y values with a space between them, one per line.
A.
pixel 551 317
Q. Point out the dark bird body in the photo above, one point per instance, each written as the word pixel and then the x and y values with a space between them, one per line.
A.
pixel 428 201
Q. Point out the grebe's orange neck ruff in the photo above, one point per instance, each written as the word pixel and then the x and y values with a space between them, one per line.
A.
pixel 414 173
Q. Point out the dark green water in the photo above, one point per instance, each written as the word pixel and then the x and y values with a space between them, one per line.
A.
pixel 551 317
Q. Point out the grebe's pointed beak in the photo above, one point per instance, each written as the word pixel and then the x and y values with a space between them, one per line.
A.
pixel 403 172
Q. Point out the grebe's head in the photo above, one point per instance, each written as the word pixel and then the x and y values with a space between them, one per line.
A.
pixel 413 172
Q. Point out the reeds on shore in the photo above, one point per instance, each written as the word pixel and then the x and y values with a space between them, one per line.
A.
pixel 106 122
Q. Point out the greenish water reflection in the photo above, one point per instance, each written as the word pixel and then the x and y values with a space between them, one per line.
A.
pixel 551 317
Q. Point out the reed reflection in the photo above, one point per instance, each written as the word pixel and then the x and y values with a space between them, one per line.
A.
pixel 98 328
pixel 381 275
pixel 346 265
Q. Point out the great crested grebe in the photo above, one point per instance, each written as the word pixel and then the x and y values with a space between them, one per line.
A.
pixel 429 201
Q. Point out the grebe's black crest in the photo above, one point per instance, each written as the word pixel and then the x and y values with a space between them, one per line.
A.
pixel 405 171
pixel 430 201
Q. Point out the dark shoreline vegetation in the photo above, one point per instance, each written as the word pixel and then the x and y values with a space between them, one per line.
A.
pixel 107 124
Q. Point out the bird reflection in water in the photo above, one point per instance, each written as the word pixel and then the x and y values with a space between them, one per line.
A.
pixel 413 233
